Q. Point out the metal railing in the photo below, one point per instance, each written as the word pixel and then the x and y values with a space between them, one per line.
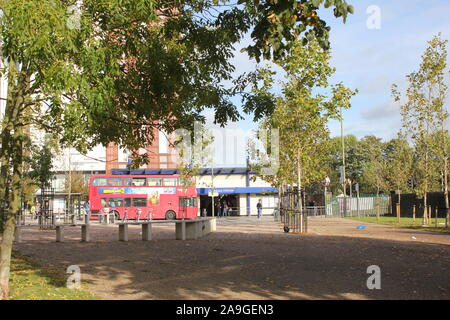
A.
pixel 294 220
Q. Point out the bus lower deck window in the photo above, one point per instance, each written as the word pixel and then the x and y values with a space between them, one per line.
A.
pixel 139 202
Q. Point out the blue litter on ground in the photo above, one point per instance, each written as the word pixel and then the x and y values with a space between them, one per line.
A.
pixel 361 226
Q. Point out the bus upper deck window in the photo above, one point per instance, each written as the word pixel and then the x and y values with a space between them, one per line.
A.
pixel 154 182
pixel 100 182
pixel 114 182
pixel 138 182
pixel 184 182
pixel 170 182
pixel 127 182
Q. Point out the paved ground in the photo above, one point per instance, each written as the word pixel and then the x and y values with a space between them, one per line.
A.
pixel 249 258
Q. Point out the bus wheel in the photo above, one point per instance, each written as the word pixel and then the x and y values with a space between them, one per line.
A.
pixel 171 215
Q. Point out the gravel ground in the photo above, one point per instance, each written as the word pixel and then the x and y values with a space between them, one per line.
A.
pixel 250 258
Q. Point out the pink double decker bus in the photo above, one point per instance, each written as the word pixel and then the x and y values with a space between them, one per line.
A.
pixel 142 197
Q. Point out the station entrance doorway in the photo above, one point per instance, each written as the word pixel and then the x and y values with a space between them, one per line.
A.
pixel 231 199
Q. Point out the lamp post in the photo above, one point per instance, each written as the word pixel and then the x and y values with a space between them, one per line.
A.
pixel 325 182
pixel 349 181
pixel 343 163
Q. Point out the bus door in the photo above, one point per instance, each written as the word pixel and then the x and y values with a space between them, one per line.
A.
pixel 188 207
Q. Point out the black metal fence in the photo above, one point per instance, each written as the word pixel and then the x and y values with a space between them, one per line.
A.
pixel 290 215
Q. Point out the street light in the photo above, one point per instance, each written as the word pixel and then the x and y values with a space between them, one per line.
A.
pixel 326 183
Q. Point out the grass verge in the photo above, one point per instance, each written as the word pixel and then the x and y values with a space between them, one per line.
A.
pixel 407 223
pixel 30 281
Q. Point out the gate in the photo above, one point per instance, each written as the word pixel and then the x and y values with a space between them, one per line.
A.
pixel 363 206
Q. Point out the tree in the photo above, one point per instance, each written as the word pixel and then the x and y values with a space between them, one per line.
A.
pixel 125 68
pixel 354 169
pixel 77 184
pixel 301 116
pixel 41 165
pixel 399 156
pixel 424 113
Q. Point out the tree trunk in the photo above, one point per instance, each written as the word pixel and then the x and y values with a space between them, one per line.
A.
pixel 299 184
pixel 7 126
pixel 447 209
pixel 11 214
pixel 12 154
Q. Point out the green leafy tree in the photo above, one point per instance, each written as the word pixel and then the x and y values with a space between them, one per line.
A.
pixel 301 116
pixel 77 183
pixel 400 163
pixel 126 67
pixel 423 112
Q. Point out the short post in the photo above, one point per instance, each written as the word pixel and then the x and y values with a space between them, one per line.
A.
pixel 146 231
pixel 306 223
pixel 436 217
pixel 398 212
pixel 59 233
pixel 425 215
pixel 183 230
pixel 85 233
pixel 123 232
pixel 18 235
pixel 378 212
pixel 414 214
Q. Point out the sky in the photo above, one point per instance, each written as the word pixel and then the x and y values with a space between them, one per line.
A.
pixel 369 55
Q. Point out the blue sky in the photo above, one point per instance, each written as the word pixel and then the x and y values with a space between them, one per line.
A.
pixel 370 60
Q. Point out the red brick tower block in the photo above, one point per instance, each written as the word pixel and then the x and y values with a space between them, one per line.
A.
pixel 161 154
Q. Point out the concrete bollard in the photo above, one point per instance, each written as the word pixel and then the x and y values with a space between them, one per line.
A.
pixel 123 232
pixel 59 233
pixel 146 231
pixel 183 230
pixel 85 233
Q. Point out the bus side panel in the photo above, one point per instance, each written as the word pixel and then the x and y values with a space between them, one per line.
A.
pixel 168 202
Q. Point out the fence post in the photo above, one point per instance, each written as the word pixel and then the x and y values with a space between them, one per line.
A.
pixel 306 223
pixel 378 212
pixel 414 214
pixel 397 211
pixel 436 217
pixel 425 215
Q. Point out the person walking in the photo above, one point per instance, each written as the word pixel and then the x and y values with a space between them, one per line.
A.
pixel 259 208
pixel 225 208
pixel 218 209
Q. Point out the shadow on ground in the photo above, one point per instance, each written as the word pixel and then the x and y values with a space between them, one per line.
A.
pixel 261 267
